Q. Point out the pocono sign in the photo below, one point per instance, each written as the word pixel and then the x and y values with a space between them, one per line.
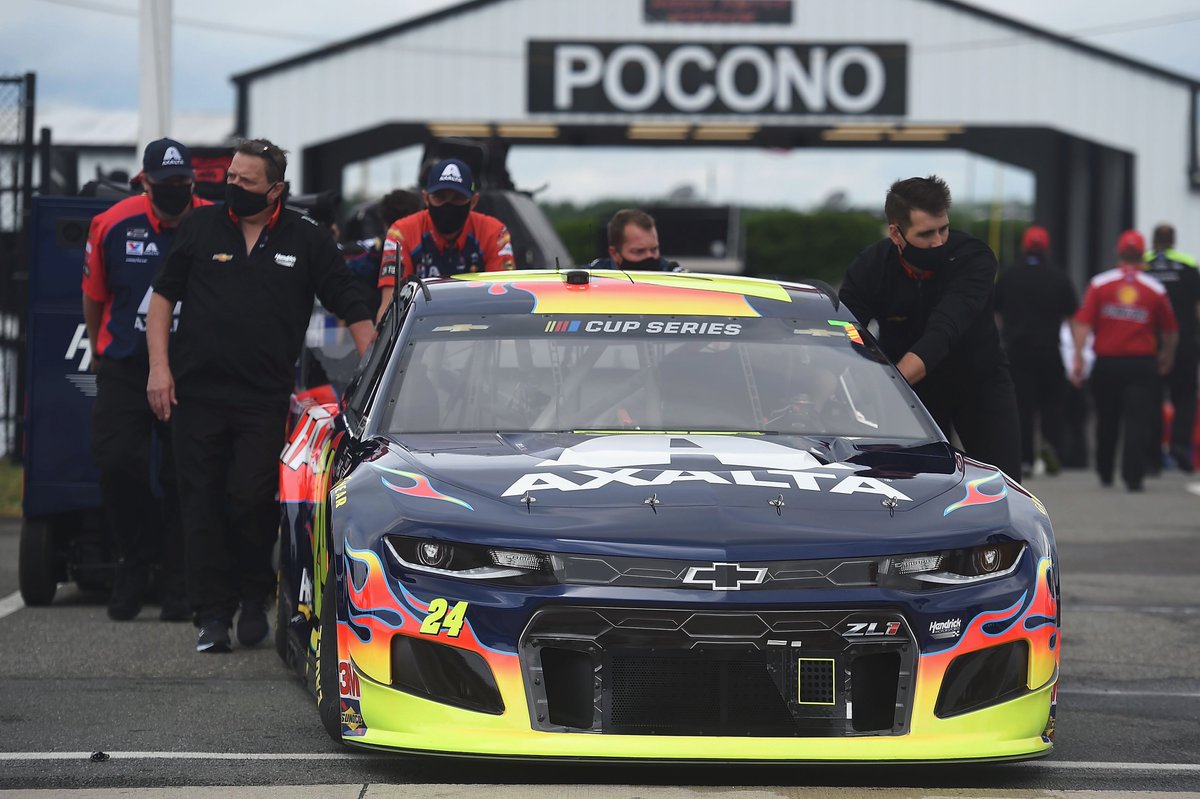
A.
pixel 716 78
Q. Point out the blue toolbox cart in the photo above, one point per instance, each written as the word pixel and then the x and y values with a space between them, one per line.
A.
pixel 63 537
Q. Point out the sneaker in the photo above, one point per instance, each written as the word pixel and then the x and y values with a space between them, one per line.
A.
pixel 129 588
pixel 1183 459
pixel 252 625
pixel 213 637
pixel 175 607
pixel 1050 460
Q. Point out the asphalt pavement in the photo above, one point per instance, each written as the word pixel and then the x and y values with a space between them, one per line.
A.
pixel 72 683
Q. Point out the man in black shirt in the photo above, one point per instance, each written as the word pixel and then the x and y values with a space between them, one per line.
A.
pixel 930 290
pixel 246 273
pixel 1178 273
pixel 1033 299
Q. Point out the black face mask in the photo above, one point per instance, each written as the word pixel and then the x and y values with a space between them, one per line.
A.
pixel 243 202
pixel 449 218
pixel 651 264
pixel 171 198
pixel 929 259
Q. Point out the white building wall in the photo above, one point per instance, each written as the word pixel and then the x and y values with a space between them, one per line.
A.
pixel 963 69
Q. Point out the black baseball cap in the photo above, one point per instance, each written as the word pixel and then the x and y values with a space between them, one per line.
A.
pixel 165 158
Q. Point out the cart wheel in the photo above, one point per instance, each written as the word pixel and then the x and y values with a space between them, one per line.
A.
pixel 36 562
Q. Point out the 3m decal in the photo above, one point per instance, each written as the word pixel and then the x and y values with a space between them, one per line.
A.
pixel 348 684
pixel 442 617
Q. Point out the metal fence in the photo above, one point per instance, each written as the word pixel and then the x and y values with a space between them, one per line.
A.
pixel 16 199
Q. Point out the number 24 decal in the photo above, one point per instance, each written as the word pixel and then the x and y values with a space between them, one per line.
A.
pixel 443 617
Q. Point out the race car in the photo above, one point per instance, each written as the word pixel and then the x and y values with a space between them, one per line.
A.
pixel 647 516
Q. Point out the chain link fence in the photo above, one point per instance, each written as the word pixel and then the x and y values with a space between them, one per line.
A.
pixel 16 191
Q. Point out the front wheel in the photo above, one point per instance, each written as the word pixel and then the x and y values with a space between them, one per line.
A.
pixel 283 618
pixel 37 562
pixel 329 703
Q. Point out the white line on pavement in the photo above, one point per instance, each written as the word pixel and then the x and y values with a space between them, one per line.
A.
pixel 1065 765
pixel 1119 692
pixel 11 604
pixel 1167 610
pixel 1193 488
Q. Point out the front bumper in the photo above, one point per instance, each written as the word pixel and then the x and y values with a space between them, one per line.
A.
pixel 587 681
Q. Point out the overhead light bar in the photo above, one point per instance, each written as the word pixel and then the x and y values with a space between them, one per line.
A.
pixel 725 132
pixel 856 133
pixel 925 133
pixel 675 132
pixel 530 131
pixel 471 129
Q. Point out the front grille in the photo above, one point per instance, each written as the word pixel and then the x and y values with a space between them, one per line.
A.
pixel 734 673
pixel 696 692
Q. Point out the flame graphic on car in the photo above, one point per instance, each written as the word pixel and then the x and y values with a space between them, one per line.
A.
pixel 976 497
pixel 420 486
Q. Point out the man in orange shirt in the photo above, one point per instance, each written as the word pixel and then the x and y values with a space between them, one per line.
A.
pixel 447 238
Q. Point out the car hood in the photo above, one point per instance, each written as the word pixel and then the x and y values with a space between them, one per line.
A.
pixel 736 496
pixel 619 470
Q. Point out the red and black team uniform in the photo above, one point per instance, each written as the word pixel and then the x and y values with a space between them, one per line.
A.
pixel 126 245
pixel 1127 310
pixel 415 247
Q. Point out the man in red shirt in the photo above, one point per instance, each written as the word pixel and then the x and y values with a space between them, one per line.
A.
pixel 447 238
pixel 126 245
pixel 1135 337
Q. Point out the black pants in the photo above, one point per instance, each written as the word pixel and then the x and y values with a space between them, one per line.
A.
pixel 132 449
pixel 227 455
pixel 982 409
pixel 1180 387
pixel 1040 383
pixel 1124 391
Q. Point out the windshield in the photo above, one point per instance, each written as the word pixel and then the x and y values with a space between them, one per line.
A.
pixel 760 375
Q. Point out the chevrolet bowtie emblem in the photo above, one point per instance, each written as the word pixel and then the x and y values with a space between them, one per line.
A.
pixel 725 576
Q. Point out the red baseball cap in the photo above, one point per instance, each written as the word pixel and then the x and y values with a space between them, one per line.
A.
pixel 1036 239
pixel 1131 242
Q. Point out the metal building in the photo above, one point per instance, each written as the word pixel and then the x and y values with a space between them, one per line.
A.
pixel 1112 142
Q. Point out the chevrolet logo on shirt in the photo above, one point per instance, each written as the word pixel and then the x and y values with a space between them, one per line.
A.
pixel 222 257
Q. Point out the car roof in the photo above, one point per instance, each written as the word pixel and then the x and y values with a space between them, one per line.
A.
pixel 583 291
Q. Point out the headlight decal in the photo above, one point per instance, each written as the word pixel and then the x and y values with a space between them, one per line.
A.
pixel 420 487
pixel 975 496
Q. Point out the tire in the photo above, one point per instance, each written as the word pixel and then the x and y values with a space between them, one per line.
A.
pixel 37 562
pixel 283 619
pixel 328 696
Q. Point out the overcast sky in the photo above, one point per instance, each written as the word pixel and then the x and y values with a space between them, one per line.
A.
pixel 85 55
